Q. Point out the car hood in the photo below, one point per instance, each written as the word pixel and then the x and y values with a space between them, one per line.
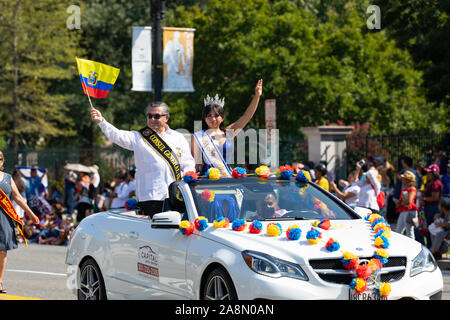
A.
pixel 354 236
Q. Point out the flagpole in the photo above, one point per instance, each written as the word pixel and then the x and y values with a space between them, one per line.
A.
pixel 89 97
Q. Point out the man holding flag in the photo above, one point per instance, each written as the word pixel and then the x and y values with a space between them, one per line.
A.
pixel 161 154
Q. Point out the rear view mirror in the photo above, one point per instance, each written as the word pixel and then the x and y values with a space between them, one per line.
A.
pixel 168 220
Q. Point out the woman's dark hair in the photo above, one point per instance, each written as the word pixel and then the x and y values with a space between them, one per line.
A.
pixel 217 109
pixel 321 168
pixel 435 175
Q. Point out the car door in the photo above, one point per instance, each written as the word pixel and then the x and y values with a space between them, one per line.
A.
pixel 161 262
pixel 122 235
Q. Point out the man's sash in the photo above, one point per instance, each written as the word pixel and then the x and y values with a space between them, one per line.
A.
pixel 212 155
pixel 8 208
pixel 163 149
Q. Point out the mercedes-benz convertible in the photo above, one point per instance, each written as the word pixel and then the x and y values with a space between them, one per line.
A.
pixel 248 238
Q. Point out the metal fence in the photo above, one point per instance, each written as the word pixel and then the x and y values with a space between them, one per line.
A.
pixel 419 147
pixel 109 159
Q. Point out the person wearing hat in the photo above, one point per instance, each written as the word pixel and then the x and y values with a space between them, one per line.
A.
pixel 431 196
pixel 94 184
pixel 406 205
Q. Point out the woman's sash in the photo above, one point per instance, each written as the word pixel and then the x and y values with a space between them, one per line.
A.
pixel 163 149
pixel 8 208
pixel 212 155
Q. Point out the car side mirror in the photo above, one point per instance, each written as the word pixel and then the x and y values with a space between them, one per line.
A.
pixel 167 220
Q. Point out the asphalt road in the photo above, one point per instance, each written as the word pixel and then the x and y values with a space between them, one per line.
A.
pixel 38 272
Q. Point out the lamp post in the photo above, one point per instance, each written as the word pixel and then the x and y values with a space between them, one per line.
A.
pixel 157 10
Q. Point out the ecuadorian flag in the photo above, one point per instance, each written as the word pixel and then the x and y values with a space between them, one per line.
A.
pixel 96 78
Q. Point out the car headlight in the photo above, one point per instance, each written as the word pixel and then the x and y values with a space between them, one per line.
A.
pixel 423 262
pixel 272 267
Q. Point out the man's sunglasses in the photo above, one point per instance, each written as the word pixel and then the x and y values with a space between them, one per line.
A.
pixel 155 116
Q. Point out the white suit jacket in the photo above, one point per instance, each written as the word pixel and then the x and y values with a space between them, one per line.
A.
pixel 153 175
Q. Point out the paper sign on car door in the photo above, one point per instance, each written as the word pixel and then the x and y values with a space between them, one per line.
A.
pixel 147 263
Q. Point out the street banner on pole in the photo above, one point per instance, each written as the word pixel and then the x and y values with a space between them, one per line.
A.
pixel 141 59
pixel 178 59
pixel 271 132
pixel 271 118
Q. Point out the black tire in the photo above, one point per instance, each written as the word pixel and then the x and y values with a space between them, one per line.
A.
pixel 92 286
pixel 219 286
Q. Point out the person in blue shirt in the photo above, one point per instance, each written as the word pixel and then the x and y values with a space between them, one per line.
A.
pixel 35 186
pixel 70 179
pixel 36 193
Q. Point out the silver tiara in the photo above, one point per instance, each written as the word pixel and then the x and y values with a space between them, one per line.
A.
pixel 208 101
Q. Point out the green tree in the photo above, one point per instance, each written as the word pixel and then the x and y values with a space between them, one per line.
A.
pixel 422 27
pixel 36 50
pixel 320 67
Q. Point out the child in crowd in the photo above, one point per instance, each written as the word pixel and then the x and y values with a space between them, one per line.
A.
pixel 440 234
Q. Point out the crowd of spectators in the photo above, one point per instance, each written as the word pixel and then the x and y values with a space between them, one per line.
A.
pixel 60 212
pixel 414 198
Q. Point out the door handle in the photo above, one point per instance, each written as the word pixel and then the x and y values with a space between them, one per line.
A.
pixel 133 234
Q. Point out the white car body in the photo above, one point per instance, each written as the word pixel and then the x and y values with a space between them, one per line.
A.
pixel 139 261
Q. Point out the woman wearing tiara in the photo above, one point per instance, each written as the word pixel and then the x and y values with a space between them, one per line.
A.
pixel 215 145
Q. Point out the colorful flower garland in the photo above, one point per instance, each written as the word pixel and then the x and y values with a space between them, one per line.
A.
pixel 186 227
pixel 293 232
pixel 239 225
pixel 255 227
pixel 262 172
pixel 213 174
pixel 285 172
pixel 201 223
pixel 274 229
pixel 363 271
pixel 238 172
pixel 221 222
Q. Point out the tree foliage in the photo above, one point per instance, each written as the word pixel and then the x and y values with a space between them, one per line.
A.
pixel 320 66
pixel 317 59
pixel 36 51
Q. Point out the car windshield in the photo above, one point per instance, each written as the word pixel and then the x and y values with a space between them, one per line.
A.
pixel 265 199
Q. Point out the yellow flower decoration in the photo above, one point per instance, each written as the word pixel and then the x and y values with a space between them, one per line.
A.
pixel 384 289
pixel 213 174
pixel 382 253
pixel 262 171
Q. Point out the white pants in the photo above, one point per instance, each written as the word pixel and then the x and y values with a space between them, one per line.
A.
pixel 402 224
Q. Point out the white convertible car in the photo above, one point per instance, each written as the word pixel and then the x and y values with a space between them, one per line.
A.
pixel 119 254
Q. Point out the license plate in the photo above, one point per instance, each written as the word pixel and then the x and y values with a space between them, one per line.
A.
pixel 369 294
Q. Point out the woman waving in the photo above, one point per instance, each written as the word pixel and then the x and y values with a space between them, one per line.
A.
pixel 215 142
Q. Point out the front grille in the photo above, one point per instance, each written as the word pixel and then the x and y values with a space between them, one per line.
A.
pixel 332 270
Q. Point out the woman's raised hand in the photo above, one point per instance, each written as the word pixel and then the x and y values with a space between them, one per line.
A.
pixel 258 88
